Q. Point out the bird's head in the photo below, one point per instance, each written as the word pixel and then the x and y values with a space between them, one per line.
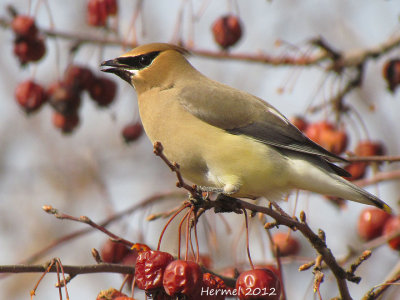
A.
pixel 150 65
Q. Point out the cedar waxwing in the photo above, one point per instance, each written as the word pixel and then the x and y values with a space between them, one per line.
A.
pixel 226 140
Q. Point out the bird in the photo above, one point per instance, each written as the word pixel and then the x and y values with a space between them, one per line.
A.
pixel 226 140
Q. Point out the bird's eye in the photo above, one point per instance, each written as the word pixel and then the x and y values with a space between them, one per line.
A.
pixel 145 60
pixel 138 62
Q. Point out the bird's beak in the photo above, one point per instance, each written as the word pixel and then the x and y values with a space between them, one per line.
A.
pixel 117 68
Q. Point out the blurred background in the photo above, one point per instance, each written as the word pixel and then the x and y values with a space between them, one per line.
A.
pixel 93 172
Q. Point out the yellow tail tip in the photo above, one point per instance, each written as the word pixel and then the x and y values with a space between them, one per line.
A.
pixel 387 208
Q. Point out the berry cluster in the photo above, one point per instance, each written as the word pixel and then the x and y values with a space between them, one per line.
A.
pixel 64 95
pixel 99 10
pixel 373 223
pixel 163 277
pixel 29 46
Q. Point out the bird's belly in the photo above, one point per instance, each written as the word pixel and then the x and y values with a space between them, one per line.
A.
pixel 210 156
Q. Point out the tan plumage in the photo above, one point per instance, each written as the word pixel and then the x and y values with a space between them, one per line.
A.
pixel 224 138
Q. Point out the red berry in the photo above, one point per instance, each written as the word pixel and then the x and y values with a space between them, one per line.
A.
pixel 356 169
pixel 286 243
pixel 66 123
pixel 28 50
pixel 78 77
pixel 369 148
pixel 371 223
pixel 182 277
pixel 110 294
pixel 326 135
pixel 113 252
pixel 30 95
pixel 24 26
pixel 212 288
pixel 63 98
pixel 271 267
pixel 391 73
pixel 299 122
pixel 150 266
pixel 393 225
pixel 227 31
pixel 102 91
pixel 258 284
pixel 97 13
pixel 111 7
pixel 123 298
pixel 132 132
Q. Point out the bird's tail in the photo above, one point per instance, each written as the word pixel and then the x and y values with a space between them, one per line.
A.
pixel 352 192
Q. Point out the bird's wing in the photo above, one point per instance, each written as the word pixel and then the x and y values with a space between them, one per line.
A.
pixel 240 113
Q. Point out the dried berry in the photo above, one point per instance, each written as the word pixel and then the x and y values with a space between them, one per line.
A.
pixel 258 284
pixel 78 77
pixel 111 7
pixel 24 26
pixel 150 266
pixel 63 98
pixel 29 50
pixel 391 226
pixel 391 73
pixel 102 91
pixel 67 123
pixel 182 277
pixel 132 132
pixel 212 288
pixel 30 95
pixel 371 223
pixel 286 243
pixel 227 31
pixel 97 13
pixel 113 252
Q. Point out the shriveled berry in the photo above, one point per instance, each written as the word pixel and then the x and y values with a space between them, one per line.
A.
pixel 287 244
pixel 25 26
pixel 29 50
pixel 113 252
pixel 258 284
pixel 182 277
pixel 371 222
pixel 30 95
pixel 97 13
pixel 150 266
pixel 111 7
pixel 391 73
pixel 132 132
pixel 212 288
pixel 78 77
pixel 393 225
pixel 67 123
pixel 110 294
pixel 227 31
pixel 102 91
pixel 63 98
